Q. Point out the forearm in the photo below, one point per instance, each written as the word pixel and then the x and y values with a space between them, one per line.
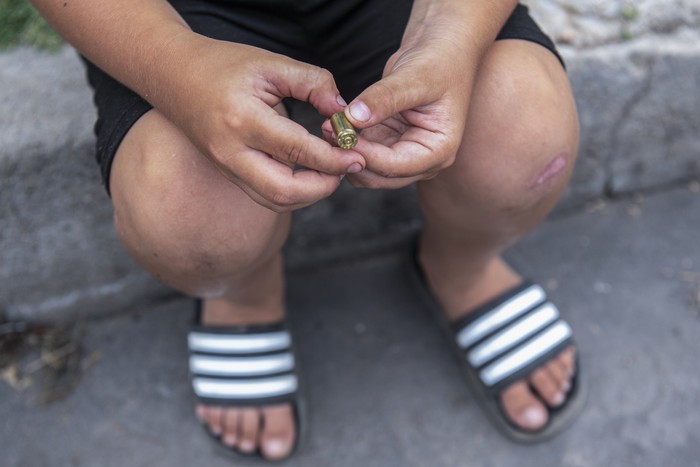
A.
pixel 473 24
pixel 135 41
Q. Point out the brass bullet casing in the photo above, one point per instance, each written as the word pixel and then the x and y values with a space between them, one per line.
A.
pixel 345 134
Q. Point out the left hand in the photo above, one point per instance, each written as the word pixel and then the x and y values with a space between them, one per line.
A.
pixel 413 118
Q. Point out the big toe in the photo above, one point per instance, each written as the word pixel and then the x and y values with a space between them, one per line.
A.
pixel 523 408
pixel 279 432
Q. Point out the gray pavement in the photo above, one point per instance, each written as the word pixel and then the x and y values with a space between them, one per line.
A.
pixel 384 389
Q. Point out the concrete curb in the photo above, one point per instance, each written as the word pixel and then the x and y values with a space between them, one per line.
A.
pixel 59 256
pixel 638 106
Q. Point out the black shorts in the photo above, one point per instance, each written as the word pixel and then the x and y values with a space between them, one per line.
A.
pixel 353 39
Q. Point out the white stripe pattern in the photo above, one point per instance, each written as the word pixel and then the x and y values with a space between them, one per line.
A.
pixel 522 356
pixel 245 389
pixel 512 335
pixel 246 366
pixel 239 344
pixel 507 311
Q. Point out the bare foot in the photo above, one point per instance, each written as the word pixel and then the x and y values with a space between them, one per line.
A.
pixel 525 402
pixel 271 430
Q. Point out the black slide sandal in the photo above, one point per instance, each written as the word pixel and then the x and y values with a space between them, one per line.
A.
pixel 503 341
pixel 246 366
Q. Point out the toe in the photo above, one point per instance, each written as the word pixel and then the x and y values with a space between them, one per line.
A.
pixel 560 374
pixel 231 419
pixel 248 430
pixel 278 433
pixel 215 420
pixel 547 387
pixel 201 412
pixel 522 407
pixel 568 359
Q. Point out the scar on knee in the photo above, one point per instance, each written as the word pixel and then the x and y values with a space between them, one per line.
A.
pixel 553 168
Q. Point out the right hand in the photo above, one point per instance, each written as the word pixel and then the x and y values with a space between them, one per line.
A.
pixel 224 100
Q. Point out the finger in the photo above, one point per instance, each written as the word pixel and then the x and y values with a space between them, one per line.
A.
pixel 278 186
pixel 417 152
pixel 308 83
pixel 288 141
pixel 389 96
pixel 328 135
pixel 367 179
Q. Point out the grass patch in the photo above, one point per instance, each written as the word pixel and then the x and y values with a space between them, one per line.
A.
pixel 21 24
pixel 630 13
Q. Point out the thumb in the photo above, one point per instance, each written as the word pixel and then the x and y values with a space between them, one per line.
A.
pixel 386 98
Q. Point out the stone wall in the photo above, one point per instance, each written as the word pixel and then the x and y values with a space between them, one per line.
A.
pixel 584 24
pixel 635 70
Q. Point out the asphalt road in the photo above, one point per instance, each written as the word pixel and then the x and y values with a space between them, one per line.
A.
pixel 384 389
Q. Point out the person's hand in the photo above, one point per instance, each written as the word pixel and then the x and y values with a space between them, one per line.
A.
pixel 224 100
pixel 414 117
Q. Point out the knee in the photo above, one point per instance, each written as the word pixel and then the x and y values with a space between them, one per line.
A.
pixel 180 218
pixel 521 138
pixel 195 250
pixel 528 104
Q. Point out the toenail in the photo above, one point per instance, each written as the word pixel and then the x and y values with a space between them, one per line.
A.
pixel 274 449
pixel 247 446
pixel 275 446
pixel 229 440
pixel 534 417
pixel 216 430
pixel 558 399
pixel 565 386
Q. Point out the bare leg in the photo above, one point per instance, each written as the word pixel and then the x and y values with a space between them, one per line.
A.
pixel 199 233
pixel 514 163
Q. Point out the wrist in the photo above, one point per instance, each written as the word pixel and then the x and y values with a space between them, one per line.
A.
pixel 167 54
pixel 471 26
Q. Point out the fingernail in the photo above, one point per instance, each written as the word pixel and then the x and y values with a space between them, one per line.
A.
pixel 341 101
pixel 360 111
pixel 354 168
pixel 342 177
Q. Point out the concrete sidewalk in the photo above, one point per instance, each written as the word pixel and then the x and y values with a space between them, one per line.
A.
pixel 384 389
